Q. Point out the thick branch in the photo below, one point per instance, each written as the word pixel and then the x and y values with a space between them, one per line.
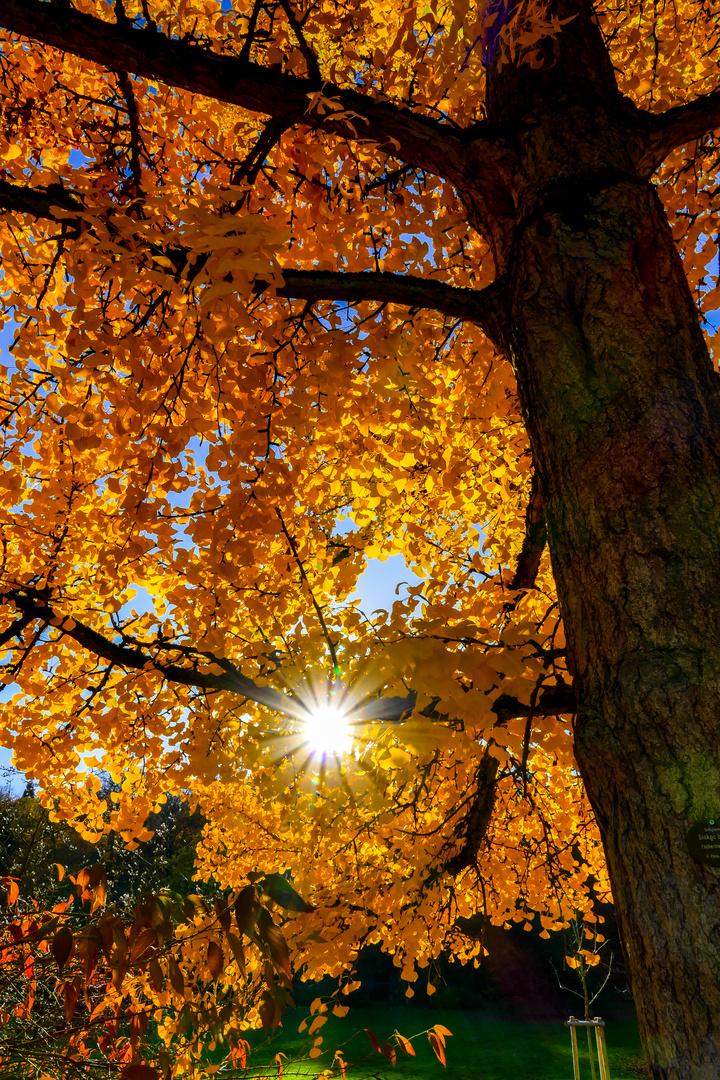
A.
pixel 676 127
pixel 39 202
pixel 475 824
pixel 534 541
pixel 133 658
pixel 414 138
pixel 130 657
pixel 486 307
pixel 557 701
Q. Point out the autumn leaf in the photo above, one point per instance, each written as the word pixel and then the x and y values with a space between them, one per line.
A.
pixel 176 976
pixel 389 1051
pixel 215 960
pixel 222 912
pixel 237 950
pixel 244 907
pixel 406 1045
pixel 70 999
pixel 373 1039
pixel 139 1072
pixel 156 975
pixel 62 945
pixel 12 889
pixel 437 1045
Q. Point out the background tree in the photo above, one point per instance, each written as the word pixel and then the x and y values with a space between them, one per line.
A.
pixel 297 285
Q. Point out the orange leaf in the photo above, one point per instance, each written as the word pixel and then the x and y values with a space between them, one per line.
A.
pixel 13 889
pixel 71 998
pixel 406 1045
pixel 437 1046
pixel 389 1051
pixel 373 1039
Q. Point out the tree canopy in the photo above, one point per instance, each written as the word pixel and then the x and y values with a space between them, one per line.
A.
pixel 258 270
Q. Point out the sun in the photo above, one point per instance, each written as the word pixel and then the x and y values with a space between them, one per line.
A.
pixel 327 730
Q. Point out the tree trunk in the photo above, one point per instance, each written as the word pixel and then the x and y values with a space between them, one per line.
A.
pixel 623 410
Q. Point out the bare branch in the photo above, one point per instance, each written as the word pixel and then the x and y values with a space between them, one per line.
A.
pixel 409 136
pixel 676 127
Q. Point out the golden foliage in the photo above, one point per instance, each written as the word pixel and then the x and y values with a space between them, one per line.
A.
pixel 199 468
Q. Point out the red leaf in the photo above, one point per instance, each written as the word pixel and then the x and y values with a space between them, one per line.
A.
pixel 244 908
pixel 13 889
pixel 176 976
pixel 389 1052
pixel 373 1039
pixel 139 1072
pixel 156 975
pixel 237 950
pixel 222 912
pixel 215 960
pixel 266 1009
pixel 71 998
pixel 62 946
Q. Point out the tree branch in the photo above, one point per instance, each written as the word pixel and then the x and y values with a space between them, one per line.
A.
pixel 676 127
pixel 39 202
pixel 556 701
pixel 474 825
pixel 313 69
pixel 131 657
pixel 486 308
pixel 135 137
pixel 410 136
pixel 534 541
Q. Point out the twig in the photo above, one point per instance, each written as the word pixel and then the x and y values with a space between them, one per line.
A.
pixel 318 609
pixel 310 57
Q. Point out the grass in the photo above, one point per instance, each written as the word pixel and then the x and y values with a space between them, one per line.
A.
pixel 482 1047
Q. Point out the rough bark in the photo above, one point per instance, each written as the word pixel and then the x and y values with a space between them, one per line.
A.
pixel 623 410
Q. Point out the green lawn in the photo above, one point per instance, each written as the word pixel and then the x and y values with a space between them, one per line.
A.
pixel 482 1047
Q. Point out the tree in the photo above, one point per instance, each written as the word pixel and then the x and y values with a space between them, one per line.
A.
pixel 437 272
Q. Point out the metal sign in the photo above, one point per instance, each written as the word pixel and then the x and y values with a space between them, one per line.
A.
pixel 703 841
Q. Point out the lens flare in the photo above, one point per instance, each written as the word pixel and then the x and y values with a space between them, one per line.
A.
pixel 327 731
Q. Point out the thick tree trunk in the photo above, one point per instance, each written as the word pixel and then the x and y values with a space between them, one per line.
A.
pixel 624 414
pixel 623 411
